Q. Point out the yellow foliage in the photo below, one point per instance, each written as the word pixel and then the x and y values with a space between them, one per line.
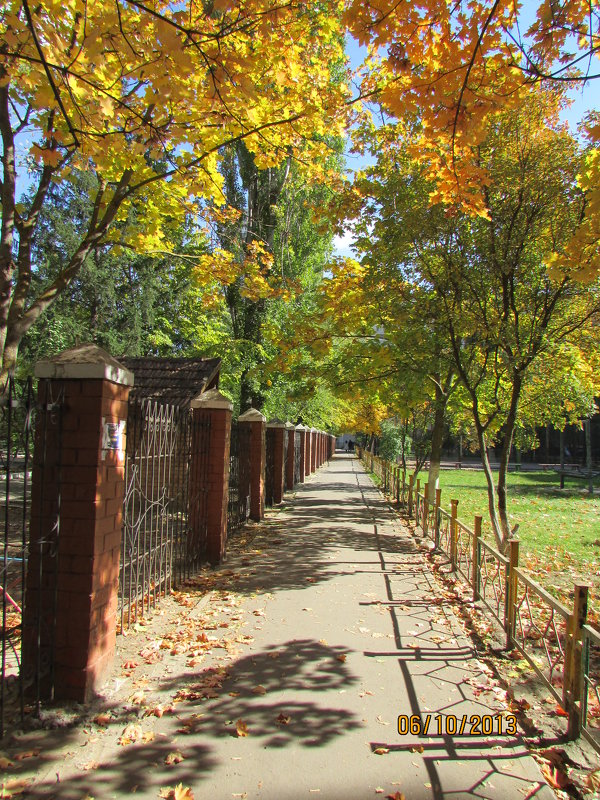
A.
pixel 148 96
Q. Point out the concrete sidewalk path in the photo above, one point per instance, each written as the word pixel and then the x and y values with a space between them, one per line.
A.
pixel 342 627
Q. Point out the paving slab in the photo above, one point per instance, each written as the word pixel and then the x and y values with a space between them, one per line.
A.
pixel 339 627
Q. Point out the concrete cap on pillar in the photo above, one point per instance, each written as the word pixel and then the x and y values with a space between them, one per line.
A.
pixel 302 428
pixel 87 361
pixel 252 415
pixel 212 399
pixel 313 430
pixel 290 426
pixel 275 423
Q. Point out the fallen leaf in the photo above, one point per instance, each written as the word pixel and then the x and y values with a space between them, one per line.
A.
pixel 555 777
pixel 241 728
pixel 560 712
pixel 179 792
pixel 190 724
pixel 259 690
pixel 418 748
pixel 592 780
pixel 381 751
pixel 148 736
pixel 396 796
pixel 26 754
pixel 174 758
pixel 283 720
pixel 102 719
pixel 342 657
pixel 13 787
pixel 5 763
pixel 91 765
pixel 132 733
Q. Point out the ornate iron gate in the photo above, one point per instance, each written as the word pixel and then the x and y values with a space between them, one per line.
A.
pixel 29 557
pixel 269 466
pixel 164 534
pixel 238 506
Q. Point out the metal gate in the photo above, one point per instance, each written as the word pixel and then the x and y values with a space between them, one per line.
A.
pixel 269 466
pixel 164 534
pixel 238 506
pixel 30 531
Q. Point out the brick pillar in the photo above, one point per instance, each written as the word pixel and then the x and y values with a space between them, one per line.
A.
pixel 290 463
pixel 69 619
pixel 256 422
pixel 308 453
pixel 278 465
pixel 332 446
pixel 216 409
pixel 313 449
pixel 302 430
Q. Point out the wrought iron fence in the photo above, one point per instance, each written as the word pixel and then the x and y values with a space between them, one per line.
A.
pixel 238 506
pixel 492 580
pixel 590 705
pixel 164 534
pixel 464 550
pixel 297 458
pixel 270 466
pixel 540 631
pixel 31 527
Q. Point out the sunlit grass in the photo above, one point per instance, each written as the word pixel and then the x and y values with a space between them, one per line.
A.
pixel 559 529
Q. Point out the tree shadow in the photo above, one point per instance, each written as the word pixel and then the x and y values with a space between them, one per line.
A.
pixel 208 705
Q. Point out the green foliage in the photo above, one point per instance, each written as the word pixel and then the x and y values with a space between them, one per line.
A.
pixel 393 441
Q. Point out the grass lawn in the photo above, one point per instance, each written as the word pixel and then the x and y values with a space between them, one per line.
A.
pixel 559 529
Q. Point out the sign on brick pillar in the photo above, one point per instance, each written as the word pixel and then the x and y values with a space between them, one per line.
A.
pixel 302 429
pixel 313 449
pixel 215 409
pixel 290 431
pixel 256 422
pixel 89 485
pixel 279 429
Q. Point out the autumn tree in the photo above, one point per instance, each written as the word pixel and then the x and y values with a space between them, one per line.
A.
pixel 456 66
pixel 145 97
pixel 501 309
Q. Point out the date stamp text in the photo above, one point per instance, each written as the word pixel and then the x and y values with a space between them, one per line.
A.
pixel 452 725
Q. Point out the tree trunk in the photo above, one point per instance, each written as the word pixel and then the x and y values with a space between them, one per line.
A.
pixel 437 439
pixel 509 431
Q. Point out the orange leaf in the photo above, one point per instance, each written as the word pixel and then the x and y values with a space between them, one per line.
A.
pixel 174 758
pixel 241 728
pixel 341 657
pixel 555 777
pixel 381 751
pixel 283 720
pixel 26 754
pixel 561 712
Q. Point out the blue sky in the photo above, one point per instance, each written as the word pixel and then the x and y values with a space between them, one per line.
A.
pixel 584 99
